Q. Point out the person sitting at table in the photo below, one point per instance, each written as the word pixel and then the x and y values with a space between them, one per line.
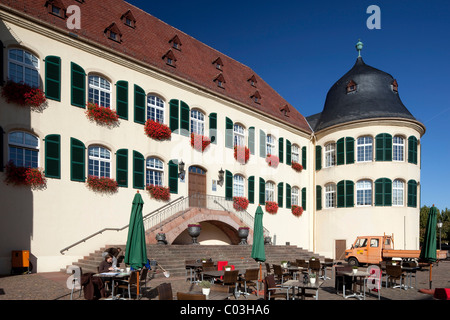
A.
pixel 114 252
pixel 106 265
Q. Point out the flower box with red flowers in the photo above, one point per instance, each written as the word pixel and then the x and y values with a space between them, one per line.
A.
pixel 23 176
pixel 241 154
pixel 102 184
pixel 272 160
pixel 23 94
pixel 199 142
pixel 271 207
pixel 240 203
pixel 159 192
pixel 296 210
pixel 101 115
pixel 296 166
pixel 158 131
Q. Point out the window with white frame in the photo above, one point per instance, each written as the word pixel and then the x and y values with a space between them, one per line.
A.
pixel 295 153
pixel 295 196
pixel 155 108
pixel 99 162
pixel 364 193
pixel 154 171
pixel 270 145
pixel 238 185
pixel 239 135
pixel 330 154
pixel 23 149
pixel 398 147
pixel 197 122
pixel 364 150
pixel 99 91
pixel 398 187
pixel 330 195
pixel 270 191
pixel 23 67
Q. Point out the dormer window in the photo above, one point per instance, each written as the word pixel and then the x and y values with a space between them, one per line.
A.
pixel 394 86
pixel 128 19
pixel 285 110
pixel 218 63
pixel 56 7
pixel 170 59
pixel 220 80
pixel 256 97
pixel 351 86
pixel 252 81
pixel 113 33
pixel 176 43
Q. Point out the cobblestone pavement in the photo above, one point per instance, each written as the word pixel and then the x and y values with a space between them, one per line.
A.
pixel 52 286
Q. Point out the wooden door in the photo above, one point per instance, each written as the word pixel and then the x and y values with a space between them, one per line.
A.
pixel 197 187
pixel 340 246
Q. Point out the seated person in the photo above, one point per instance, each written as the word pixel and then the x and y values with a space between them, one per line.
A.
pixel 106 265
pixel 114 252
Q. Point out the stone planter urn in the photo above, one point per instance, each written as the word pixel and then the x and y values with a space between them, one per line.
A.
pixel 267 241
pixel 161 238
pixel 243 234
pixel 194 232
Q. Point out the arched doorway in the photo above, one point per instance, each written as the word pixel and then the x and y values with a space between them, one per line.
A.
pixel 197 187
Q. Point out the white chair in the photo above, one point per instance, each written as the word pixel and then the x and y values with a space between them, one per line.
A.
pixel 74 281
pixel 373 281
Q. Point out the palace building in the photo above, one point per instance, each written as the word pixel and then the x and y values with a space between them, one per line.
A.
pixel 128 103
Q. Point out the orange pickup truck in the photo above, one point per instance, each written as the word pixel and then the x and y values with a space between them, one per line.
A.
pixel 374 249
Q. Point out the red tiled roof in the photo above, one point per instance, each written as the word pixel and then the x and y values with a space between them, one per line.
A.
pixel 148 42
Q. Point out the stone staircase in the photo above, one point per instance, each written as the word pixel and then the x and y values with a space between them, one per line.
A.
pixel 172 257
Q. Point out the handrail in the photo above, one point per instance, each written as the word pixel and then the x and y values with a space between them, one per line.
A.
pixel 116 229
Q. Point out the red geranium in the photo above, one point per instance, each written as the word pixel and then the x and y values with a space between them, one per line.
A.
pixel 241 154
pixel 18 176
pixel 156 130
pixel 296 166
pixel 272 160
pixel 102 184
pixel 159 192
pixel 101 115
pixel 271 207
pixel 23 94
pixel 240 203
pixel 297 210
pixel 199 142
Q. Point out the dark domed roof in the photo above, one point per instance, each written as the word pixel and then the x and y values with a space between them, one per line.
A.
pixel 362 93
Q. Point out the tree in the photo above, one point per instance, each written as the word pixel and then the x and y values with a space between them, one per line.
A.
pixel 443 215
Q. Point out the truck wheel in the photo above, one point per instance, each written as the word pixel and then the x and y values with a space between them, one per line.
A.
pixel 353 262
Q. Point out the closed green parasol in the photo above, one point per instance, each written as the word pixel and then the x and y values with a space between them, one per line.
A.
pixel 428 250
pixel 258 251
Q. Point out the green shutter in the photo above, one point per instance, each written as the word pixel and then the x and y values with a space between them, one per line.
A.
pixel 387 192
pixel 122 167
pixel 53 78
pixel 122 99
pixel 304 198
pixel 228 185
pixel 138 170
pixel 288 196
pixel 379 192
pixel 340 152
pixel 213 127
pixel 383 147
pixel 412 193
pixel 281 149
pixel 383 192
pixel 288 152
pixel 185 120
pixel 387 147
pixel 280 194
pixel 379 147
pixel 174 115
pixel 139 104
pixel 318 198
pixel 349 194
pixel 262 191
pixel 349 150
pixel 228 133
pixel 251 140
pixel 53 156
pixel 412 150
pixel 341 194
pixel 318 158
pixel 262 144
pixel 304 157
pixel 78 86
pixel 77 160
pixel 173 176
pixel 251 189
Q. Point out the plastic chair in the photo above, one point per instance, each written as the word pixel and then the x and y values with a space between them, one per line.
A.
pixel 272 290
pixel 278 272
pixel 374 280
pixel 394 273
pixel 128 284
pixel 165 291
pixel 249 279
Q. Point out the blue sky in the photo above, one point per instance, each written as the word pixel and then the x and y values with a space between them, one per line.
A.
pixel 301 48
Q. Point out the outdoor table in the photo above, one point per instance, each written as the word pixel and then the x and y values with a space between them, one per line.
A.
pixel 409 271
pixel 192 266
pixel 360 274
pixel 294 270
pixel 113 276
pixel 218 273
pixel 299 284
